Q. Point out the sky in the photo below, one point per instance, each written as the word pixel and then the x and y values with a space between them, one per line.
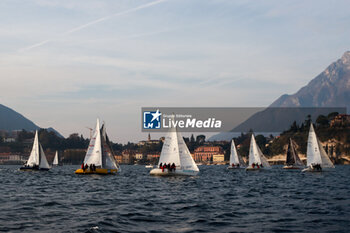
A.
pixel 63 63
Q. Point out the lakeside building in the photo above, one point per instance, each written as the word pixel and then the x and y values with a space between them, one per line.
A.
pixel 12 158
pixel 218 158
pixel 118 158
pixel 149 141
pixel 206 153
pixel 340 120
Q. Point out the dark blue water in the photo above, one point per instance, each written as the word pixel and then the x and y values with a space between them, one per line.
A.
pixel 218 200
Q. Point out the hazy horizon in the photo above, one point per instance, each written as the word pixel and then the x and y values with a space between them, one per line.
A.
pixel 64 63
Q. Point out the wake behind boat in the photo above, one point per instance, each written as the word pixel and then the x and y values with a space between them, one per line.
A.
pixel 257 160
pixel 292 159
pixel 37 160
pixel 236 160
pixel 175 158
pixel 316 156
pixel 99 158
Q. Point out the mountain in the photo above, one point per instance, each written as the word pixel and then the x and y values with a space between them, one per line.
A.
pixel 329 89
pixel 327 92
pixel 12 120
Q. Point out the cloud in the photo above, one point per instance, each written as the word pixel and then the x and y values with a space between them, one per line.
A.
pixel 76 29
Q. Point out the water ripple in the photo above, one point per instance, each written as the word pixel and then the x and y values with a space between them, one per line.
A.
pixel 218 200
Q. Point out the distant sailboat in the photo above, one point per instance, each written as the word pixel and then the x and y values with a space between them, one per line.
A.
pixel 257 160
pixel 37 159
pixel 236 160
pixel 99 157
pixel 55 160
pixel 316 156
pixel 175 151
pixel 292 160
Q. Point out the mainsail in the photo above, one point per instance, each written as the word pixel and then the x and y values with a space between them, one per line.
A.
pixel 315 153
pixel 94 152
pixel 292 155
pixel 37 156
pixel 255 154
pixel 55 160
pixel 175 151
pixel 235 158
pixel 170 150
pixel 99 152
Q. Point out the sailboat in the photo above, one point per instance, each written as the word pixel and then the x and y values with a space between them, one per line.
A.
pixel 37 159
pixel 236 160
pixel 175 151
pixel 316 156
pixel 99 158
pixel 257 160
pixel 55 159
pixel 292 160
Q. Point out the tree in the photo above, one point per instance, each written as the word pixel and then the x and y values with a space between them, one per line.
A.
pixel 192 139
pixel 322 121
pixel 332 115
pixel 200 139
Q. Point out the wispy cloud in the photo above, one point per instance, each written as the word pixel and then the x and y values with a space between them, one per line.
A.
pixel 147 5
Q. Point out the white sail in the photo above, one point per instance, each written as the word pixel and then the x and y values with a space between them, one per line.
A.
pixel 170 150
pixel 55 160
pixel 34 154
pixel 326 162
pixel 186 160
pixel 43 160
pixel 313 154
pixel 263 159
pixel 234 155
pixel 235 158
pixel 94 152
pixel 255 154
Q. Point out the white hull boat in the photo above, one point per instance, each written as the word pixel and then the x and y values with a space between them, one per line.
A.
pixel 160 172
pixel 236 161
pixel 257 160
pixel 175 153
pixel 37 160
pixel 316 156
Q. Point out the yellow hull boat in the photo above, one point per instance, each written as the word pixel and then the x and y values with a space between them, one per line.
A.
pixel 99 171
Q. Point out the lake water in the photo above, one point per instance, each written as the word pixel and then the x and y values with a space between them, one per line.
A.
pixel 217 200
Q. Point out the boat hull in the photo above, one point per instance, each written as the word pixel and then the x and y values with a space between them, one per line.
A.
pixel 160 172
pixel 99 171
pixel 33 169
pixel 291 167
pixel 253 169
pixel 310 169
pixel 230 167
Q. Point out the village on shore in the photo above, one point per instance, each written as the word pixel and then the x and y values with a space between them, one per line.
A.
pixel 333 131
